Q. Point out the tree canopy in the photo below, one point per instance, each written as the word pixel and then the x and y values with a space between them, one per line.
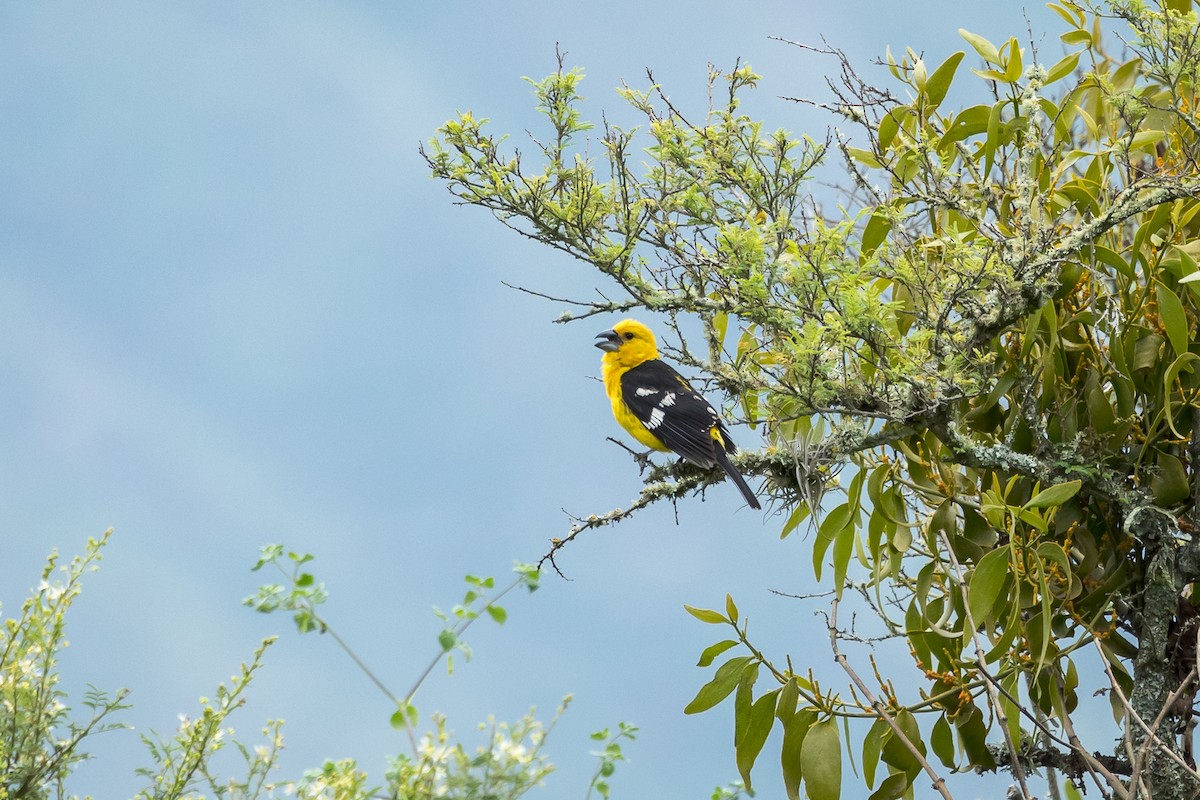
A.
pixel 975 372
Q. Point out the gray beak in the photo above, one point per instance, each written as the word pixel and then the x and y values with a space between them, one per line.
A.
pixel 611 342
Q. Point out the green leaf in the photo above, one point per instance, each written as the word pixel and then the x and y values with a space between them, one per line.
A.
pixel 1055 495
pixel 731 609
pixel 896 752
pixel 1174 319
pixel 939 82
pixel 1013 68
pixel 447 639
pixel 1065 66
pixel 713 650
pixel 942 742
pixel 987 51
pixel 497 613
pixel 831 526
pixel 986 582
pixel 1170 483
pixel 724 681
pixel 892 787
pixel 872 746
pixel 762 717
pixel 789 695
pixel 405 717
pixel 874 233
pixel 705 615
pixel 821 761
pixel 843 548
pixel 969 122
pixel 795 730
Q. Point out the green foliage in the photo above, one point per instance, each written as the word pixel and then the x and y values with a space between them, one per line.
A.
pixel 40 742
pixel 994 335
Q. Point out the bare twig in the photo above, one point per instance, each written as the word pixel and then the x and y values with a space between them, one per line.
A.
pixel 939 783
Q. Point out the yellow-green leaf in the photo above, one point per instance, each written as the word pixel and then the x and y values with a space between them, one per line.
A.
pixel 1063 67
pixel 987 51
pixel 705 614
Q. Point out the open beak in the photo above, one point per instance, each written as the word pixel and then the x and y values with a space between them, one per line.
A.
pixel 610 343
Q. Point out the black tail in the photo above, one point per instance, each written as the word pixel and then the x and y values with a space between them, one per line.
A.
pixel 736 477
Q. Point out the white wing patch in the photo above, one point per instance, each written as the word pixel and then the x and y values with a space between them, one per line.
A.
pixel 644 392
pixel 668 399
pixel 656 418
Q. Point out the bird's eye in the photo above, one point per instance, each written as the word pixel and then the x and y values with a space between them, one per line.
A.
pixel 628 336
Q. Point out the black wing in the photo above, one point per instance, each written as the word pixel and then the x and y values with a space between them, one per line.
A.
pixel 674 412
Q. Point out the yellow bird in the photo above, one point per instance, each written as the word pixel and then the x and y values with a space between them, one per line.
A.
pixel 659 407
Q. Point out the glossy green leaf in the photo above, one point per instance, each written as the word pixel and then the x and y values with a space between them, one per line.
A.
pixel 821 761
pixel 1054 495
pixel 713 650
pixel 724 681
pixel 750 744
pixel 731 609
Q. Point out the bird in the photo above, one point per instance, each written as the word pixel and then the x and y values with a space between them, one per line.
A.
pixel 659 408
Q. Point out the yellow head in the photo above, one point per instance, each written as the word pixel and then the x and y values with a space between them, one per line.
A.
pixel 628 344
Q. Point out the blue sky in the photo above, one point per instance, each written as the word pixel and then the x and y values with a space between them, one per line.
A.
pixel 235 310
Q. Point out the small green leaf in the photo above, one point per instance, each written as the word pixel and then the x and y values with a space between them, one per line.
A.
pixel 447 639
pixel 731 609
pixel 705 615
pixel 405 717
pixel 498 614
pixel 724 681
pixel 1055 495
pixel 713 650
pixel 821 761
